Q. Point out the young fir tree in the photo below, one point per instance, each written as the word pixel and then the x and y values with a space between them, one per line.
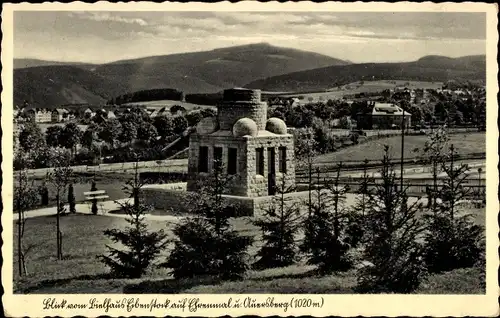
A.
pixel 305 153
pixel 206 243
pixel 94 208
pixel 434 152
pixel 71 199
pixel 44 192
pixel 393 251
pixel 454 240
pixel 142 246
pixel 279 225
pixel 325 241
pixel 356 218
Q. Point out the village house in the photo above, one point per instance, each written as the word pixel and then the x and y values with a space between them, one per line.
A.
pixel 155 112
pixel 39 115
pixel 383 116
pixel 60 115
pixel 89 113
pixel 111 114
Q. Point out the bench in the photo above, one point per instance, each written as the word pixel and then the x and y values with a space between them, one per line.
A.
pixel 99 196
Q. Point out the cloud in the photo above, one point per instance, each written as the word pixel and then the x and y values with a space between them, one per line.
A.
pixel 340 34
pixel 372 25
pixel 107 16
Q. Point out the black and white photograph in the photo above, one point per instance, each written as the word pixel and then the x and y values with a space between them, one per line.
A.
pixel 248 152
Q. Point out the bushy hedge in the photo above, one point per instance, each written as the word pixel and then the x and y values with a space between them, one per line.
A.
pixel 163 177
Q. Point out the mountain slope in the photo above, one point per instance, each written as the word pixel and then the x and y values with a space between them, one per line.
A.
pixel 212 71
pixel 50 86
pixel 197 72
pixel 429 68
pixel 25 63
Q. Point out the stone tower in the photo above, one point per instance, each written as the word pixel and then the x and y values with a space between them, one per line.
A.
pixel 257 153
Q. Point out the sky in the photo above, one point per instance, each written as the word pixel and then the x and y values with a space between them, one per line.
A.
pixel 104 36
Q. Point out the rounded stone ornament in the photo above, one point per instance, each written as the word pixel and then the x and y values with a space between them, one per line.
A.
pixel 207 126
pixel 245 127
pixel 276 126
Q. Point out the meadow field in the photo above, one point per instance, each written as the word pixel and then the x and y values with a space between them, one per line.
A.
pixel 363 87
pixel 465 143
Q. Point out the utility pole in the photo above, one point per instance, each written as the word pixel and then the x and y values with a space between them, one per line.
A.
pixel 402 147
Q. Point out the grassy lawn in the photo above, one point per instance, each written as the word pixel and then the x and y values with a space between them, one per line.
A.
pixel 82 272
pixel 373 150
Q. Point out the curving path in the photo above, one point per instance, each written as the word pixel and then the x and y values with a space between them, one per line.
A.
pixel 86 209
pixel 350 200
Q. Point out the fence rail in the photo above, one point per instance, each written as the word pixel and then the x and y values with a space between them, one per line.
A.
pixel 165 165
pixel 415 189
pixel 369 164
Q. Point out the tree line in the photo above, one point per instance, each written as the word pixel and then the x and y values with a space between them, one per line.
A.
pixel 109 138
pixel 147 95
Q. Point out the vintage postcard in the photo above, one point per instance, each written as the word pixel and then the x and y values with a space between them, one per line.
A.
pixel 209 159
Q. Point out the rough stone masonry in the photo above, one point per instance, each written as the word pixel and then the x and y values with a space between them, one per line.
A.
pixel 256 153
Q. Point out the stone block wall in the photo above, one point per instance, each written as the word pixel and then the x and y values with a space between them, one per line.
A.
pixel 242 94
pixel 237 183
pixel 258 184
pixel 241 103
pixel 175 196
pixel 166 197
pixel 246 182
pixel 229 112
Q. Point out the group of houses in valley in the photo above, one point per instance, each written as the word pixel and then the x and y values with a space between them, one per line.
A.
pixel 81 112
pixel 59 115
pixel 45 115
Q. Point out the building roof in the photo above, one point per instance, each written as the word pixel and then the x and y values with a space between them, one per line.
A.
pixel 60 111
pixel 388 109
pixel 37 110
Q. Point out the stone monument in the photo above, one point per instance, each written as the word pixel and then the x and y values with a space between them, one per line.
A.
pixel 255 152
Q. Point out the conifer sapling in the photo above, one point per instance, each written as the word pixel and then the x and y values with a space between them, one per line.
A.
pixel 279 225
pixel 142 246
pixel 206 243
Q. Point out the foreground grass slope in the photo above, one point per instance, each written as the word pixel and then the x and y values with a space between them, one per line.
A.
pixel 82 272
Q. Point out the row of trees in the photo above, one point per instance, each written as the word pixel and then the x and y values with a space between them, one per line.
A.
pixel 148 95
pixel 396 242
pixel 441 108
pixel 109 137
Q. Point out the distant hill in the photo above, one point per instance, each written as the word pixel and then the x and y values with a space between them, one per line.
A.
pixel 215 70
pixel 25 63
pixel 270 68
pixel 428 68
pixel 50 86
pixel 197 72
